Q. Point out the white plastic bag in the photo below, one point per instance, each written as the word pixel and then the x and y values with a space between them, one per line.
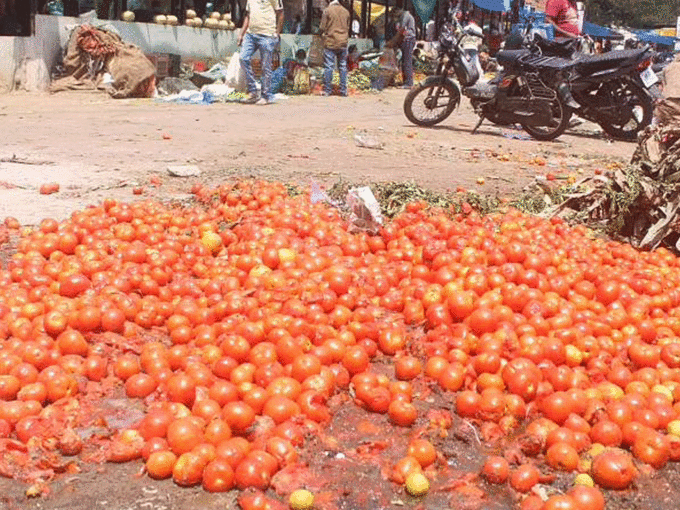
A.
pixel 235 76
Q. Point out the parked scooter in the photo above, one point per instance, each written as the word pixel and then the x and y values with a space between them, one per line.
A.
pixel 523 94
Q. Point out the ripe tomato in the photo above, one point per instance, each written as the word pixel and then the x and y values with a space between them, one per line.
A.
pixel 218 476
pixel 184 435
pixel 613 469
pixel 524 477
pixel 160 465
pixel 423 451
pixel 496 469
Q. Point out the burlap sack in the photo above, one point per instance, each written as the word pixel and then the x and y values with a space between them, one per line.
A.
pixel 93 52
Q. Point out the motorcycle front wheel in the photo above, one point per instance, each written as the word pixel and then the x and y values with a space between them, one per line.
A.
pixel 428 104
pixel 561 115
pixel 631 96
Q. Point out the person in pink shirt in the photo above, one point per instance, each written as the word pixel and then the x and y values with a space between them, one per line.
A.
pixel 563 15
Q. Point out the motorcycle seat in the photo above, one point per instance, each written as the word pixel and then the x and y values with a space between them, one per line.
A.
pixel 594 63
pixel 508 56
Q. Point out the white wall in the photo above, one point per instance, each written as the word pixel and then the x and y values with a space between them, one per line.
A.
pixel 53 32
pixel 7 62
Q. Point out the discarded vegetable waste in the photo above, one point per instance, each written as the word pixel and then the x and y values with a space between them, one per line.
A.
pixel 242 323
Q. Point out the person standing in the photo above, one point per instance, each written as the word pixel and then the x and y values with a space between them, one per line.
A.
pixel 261 31
pixel 563 15
pixel 334 28
pixel 405 25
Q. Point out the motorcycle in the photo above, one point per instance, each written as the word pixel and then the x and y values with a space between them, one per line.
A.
pixel 616 89
pixel 523 94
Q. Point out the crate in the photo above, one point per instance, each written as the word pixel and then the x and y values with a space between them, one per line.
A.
pixel 166 64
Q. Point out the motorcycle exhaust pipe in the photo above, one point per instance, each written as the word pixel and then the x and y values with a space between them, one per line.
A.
pixel 567 98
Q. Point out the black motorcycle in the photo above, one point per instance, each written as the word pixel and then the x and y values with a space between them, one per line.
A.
pixel 523 94
pixel 616 89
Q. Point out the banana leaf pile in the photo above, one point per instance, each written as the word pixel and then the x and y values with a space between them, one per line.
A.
pixel 639 203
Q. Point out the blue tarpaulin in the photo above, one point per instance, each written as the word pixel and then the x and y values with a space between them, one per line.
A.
pixel 493 5
pixel 651 37
pixel 594 30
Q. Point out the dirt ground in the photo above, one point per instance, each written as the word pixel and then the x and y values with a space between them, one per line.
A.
pixel 95 147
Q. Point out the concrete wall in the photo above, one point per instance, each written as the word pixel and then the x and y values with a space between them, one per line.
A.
pixel 53 32
pixel 7 62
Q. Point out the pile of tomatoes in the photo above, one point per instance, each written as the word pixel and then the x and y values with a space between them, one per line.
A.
pixel 235 321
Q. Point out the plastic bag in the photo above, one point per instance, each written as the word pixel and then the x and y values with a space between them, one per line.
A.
pixel 235 77
pixel 278 77
pixel 366 215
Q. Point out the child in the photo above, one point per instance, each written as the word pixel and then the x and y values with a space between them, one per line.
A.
pixel 353 57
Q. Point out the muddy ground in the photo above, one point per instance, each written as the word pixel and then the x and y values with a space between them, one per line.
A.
pixel 95 147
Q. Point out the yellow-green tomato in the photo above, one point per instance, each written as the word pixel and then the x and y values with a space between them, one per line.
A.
pixel 301 499
pixel 417 484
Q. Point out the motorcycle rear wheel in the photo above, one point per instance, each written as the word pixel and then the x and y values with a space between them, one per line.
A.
pixel 561 114
pixel 430 103
pixel 642 112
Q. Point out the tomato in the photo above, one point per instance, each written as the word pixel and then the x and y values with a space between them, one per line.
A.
pixel 238 415
pixel 140 386
pixel 652 448
pixel 607 433
pixel 188 469
pixel 402 413
pixel 154 444
pixel 160 465
pixel 184 435
pixel 217 431
pixel 73 285
pixel 181 388
pixel 613 469
pixel 452 377
pixel 423 451
pixel 404 467
pixel 218 476
pixel 496 469
pixel 407 368
pixel 71 341
pixel 251 473
pixel 356 359
pixel 560 502
pixel 556 407
pixel 562 456
pixel 282 450
pixel 468 403
pixel 587 498
pixel 280 408
pixel 524 477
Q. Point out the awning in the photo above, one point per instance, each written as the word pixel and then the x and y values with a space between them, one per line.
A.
pixel 424 9
pixel 651 37
pixel 493 5
pixel 594 30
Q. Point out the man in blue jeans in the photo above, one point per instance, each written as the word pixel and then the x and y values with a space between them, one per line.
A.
pixel 261 31
pixel 334 28
pixel 405 24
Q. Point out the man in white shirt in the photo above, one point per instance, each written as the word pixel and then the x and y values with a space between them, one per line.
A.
pixel 261 31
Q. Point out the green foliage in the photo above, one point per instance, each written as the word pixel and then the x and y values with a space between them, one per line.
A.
pixel 633 13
